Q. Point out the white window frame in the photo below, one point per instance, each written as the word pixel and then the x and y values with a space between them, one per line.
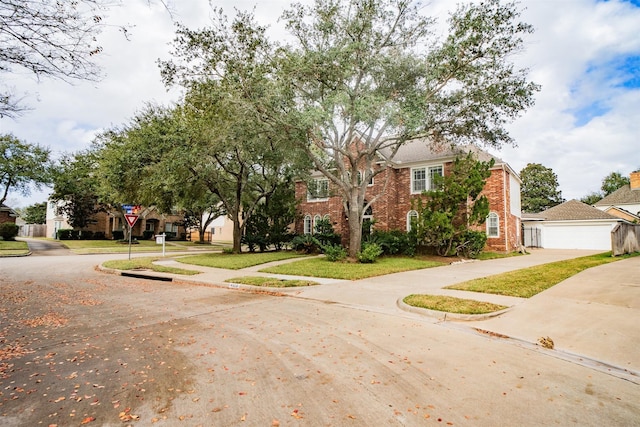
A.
pixel 316 183
pixel 316 218
pixel 428 172
pixel 307 225
pixel 493 222
pixel 411 214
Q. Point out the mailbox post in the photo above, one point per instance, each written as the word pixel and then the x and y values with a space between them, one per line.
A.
pixel 160 238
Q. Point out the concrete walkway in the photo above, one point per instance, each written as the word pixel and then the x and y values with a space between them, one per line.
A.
pixel 594 314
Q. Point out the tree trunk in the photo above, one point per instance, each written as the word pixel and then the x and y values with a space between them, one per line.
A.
pixel 201 231
pixel 355 228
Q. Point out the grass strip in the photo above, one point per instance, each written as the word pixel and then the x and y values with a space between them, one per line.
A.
pixel 271 282
pixel 146 264
pixel 530 281
pixel 237 261
pixel 451 304
pixel 321 267
pixel 13 247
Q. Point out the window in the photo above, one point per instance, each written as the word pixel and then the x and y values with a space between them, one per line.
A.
pixel 493 225
pixel 307 224
pixel 318 189
pixel 149 226
pixel 423 178
pixel 327 218
pixel 316 220
pixel 412 217
pixel 171 227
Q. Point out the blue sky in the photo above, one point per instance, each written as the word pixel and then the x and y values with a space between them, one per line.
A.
pixel 584 53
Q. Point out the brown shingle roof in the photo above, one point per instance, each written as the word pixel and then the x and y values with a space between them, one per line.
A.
pixel 575 210
pixel 622 195
pixel 421 150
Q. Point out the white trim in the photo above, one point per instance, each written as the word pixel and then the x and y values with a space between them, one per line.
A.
pixel 427 177
pixel 304 224
pixel 493 215
pixel 409 215
pixel 310 198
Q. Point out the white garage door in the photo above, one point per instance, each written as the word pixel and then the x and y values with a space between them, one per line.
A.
pixel 563 236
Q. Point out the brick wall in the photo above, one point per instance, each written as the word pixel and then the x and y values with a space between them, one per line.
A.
pixel 390 210
pixel 5 217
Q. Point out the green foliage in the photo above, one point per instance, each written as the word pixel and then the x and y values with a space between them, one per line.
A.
pixel 323 232
pixel 305 243
pixel 612 182
pixel 394 242
pixel 67 234
pixel 269 224
pixel 75 188
pixel 446 214
pixel 334 252
pixel 22 165
pixel 539 188
pixel 592 198
pixel 363 64
pixel 369 253
pixel 35 214
pixel 471 243
pixel 8 231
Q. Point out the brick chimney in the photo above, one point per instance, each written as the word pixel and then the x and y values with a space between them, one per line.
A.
pixel 634 180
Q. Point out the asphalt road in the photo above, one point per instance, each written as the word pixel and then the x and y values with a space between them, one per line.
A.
pixel 81 347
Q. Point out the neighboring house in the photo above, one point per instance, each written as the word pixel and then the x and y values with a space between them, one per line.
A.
pixel 625 200
pixel 219 230
pixel 150 222
pixel 410 172
pixel 570 225
pixel 30 230
pixel 7 214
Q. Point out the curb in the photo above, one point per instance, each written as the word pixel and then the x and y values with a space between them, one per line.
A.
pixel 444 316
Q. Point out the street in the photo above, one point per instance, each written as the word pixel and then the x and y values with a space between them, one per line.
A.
pixel 81 347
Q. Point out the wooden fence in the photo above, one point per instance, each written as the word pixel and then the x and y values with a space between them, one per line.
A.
pixel 625 239
pixel 32 230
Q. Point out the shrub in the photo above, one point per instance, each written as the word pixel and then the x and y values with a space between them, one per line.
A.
pixel 85 235
pixel 394 242
pixel 254 241
pixel 66 234
pixel 472 243
pixel 369 253
pixel 99 235
pixel 147 234
pixel 324 233
pixel 305 243
pixel 334 252
pixel 170 235
pixel 118 235
pixel 8 231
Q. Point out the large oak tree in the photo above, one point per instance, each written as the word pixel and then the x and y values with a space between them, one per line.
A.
pixel 371 72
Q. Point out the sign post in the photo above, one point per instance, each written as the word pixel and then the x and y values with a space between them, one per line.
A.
pixel 131 220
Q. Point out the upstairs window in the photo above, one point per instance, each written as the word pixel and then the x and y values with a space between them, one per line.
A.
pixel 318 189
pixel 424 178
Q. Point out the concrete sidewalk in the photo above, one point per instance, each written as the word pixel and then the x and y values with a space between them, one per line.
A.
pixel 593 314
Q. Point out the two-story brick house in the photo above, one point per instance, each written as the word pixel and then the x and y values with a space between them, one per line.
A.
pixel 409 173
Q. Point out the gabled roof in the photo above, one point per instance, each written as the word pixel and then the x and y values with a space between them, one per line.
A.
pixel 422 150
pixel 575 210
pixel 623 195
pixel 5 208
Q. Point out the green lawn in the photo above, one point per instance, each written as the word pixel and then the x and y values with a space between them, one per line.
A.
pixel 320 267
pixel 271 282
pixel 530 281
pixel 452 304
pixel 237 261
pixel 146 264
pixel 113 246
pixel 13 248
